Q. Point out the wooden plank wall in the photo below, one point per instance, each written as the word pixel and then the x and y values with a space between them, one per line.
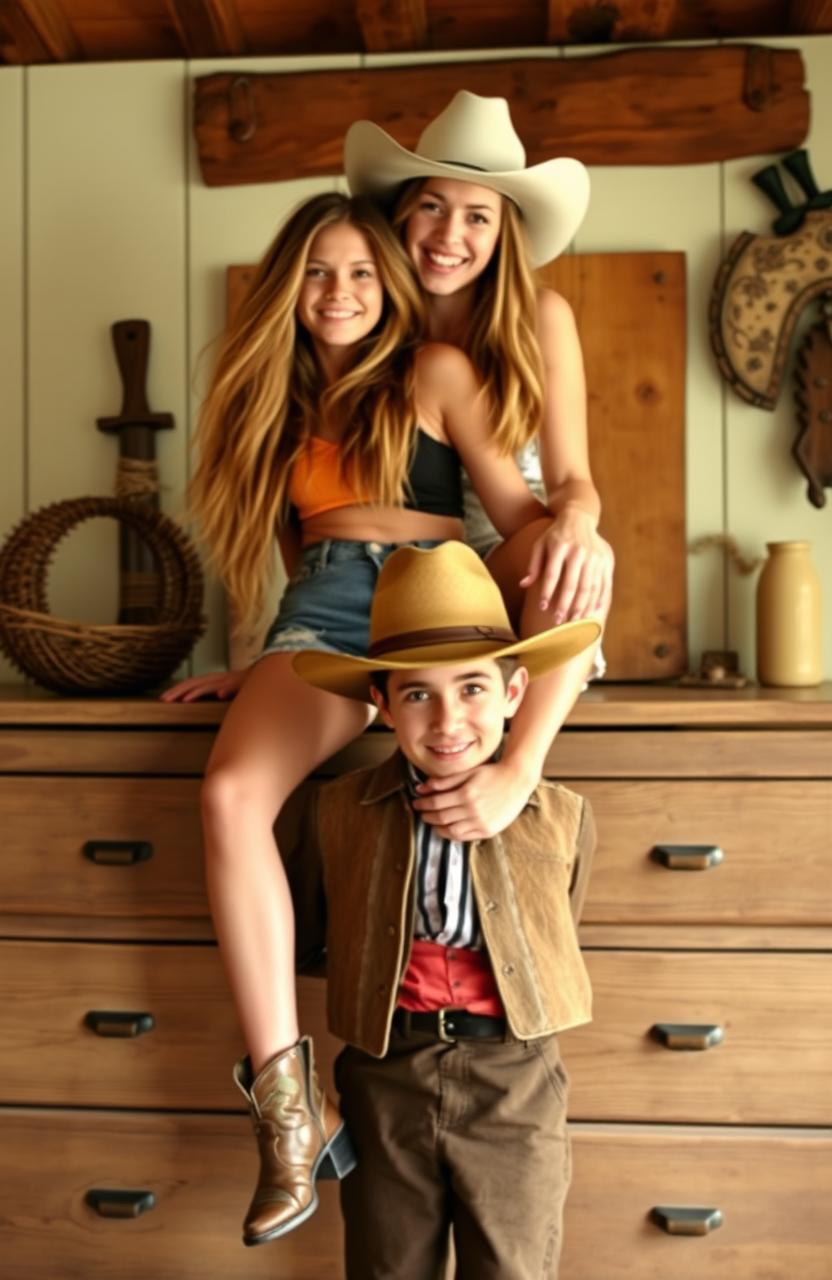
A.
pixel 104 217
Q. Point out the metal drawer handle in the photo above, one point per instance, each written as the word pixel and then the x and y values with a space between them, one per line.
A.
pixel 687 857
pixel 120 1204
pixel 687 1220
pixel 117 853
pixel 116 1025
pixel 686 1035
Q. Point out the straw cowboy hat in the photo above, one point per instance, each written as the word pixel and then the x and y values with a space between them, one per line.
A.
pixel 473 140
pixel 439 607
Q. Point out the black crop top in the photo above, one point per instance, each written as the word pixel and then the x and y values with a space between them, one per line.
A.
pixel 434 481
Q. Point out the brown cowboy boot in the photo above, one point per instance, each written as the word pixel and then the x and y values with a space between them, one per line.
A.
pixel 301 1138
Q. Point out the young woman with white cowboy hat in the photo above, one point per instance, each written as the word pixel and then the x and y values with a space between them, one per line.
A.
pixel 475 222
pixel 328 424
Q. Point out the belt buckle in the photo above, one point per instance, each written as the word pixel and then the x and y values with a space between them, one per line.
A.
pixel 442 1029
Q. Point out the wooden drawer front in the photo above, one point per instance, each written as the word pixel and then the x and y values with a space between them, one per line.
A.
pixel 48 1054
pixel 201 1170
pixel 48 822
pixel 149 751
pixel 774 837
pixel 691 753
pixel 772 1187
pixel 773 1066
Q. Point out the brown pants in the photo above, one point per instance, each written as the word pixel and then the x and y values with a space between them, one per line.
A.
pixel 469 1137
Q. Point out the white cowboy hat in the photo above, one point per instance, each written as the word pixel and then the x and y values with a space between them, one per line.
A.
pixel 437 608
pixel 473 140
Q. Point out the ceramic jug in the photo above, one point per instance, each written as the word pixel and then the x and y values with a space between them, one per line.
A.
pixel 789 649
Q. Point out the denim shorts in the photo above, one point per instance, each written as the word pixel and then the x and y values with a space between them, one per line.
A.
pixel 327 602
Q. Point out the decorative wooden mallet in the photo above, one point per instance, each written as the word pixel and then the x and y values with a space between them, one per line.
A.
pixel 137 476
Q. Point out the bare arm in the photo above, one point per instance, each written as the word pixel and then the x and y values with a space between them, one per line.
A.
pixel 571 563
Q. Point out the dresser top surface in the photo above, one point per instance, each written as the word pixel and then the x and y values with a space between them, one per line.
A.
pixel 607 705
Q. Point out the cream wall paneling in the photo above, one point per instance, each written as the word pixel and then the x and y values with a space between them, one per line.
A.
pixel 12 306
pixel 765 491
pixel 106 242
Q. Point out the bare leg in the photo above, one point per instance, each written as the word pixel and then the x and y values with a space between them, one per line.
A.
pixel 549 699
pixel 275 733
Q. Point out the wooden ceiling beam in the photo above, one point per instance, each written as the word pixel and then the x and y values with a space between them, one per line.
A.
pixel 208 28
pixel 392 26
pixel 810 17
pixel 602 22
pixel 33 31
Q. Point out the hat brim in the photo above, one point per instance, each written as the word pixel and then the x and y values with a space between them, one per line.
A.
pixel 350 677
pixel 552 196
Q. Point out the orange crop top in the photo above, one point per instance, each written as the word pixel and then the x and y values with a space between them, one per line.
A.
pixel 434 479
pixel 316 484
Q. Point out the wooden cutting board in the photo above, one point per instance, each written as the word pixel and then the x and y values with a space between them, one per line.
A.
pixel 630 309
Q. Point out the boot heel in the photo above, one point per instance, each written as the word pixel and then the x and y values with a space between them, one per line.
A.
pixel 339 1157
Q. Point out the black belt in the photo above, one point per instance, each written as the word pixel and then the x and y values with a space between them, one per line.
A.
pixel 449 1024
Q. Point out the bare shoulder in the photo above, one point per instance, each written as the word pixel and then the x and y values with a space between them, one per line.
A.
pixel 553 311
pixel 442 370
pixel 556 328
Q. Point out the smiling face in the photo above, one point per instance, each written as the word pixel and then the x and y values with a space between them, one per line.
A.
pixel 452 233
pixel 450 719
pixel 341 298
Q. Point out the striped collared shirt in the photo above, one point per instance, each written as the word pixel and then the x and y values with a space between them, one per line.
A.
pixel 446 911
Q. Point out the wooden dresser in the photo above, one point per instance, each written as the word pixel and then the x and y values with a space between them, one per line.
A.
pixel 701 1095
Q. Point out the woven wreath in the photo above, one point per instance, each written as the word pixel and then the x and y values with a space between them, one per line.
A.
pixel 85 658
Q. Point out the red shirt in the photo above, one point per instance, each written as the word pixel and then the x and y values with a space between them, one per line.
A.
pixel 440 977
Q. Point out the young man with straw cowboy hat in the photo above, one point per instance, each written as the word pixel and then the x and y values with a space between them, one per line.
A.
pixel 451 966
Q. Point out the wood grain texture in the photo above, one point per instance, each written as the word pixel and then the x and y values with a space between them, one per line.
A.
pixel 184 1063
pixel 201 1170
pixel 207 28
pixel 630 310
pixel 773 1188
pixel 392 26
pixel 774 1009
pixel 136 29
pixel 673 106
pixel 614 705
pixel 34 31
pixel 774 836
pixel 579 22
pixel 690 753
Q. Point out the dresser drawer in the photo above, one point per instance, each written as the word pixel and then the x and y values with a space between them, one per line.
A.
pixel 773 1065
pixel 200 1170
pixel 117 847
pixel 772 851
pixel 49 1052
pixel 109 856
pixel 691 753
pixel 773 1188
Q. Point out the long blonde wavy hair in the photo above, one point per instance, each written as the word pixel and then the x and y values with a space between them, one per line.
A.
pixel 266 394
pixel 502 342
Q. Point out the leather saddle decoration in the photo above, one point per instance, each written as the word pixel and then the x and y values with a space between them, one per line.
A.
pixel 766 282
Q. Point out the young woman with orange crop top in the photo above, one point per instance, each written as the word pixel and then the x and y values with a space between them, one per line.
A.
pixel 327 423
pixel 475 221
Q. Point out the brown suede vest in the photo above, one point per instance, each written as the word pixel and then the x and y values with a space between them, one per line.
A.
pixel 529 884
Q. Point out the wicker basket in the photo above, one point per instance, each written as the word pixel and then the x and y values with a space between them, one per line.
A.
pixel 81 658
